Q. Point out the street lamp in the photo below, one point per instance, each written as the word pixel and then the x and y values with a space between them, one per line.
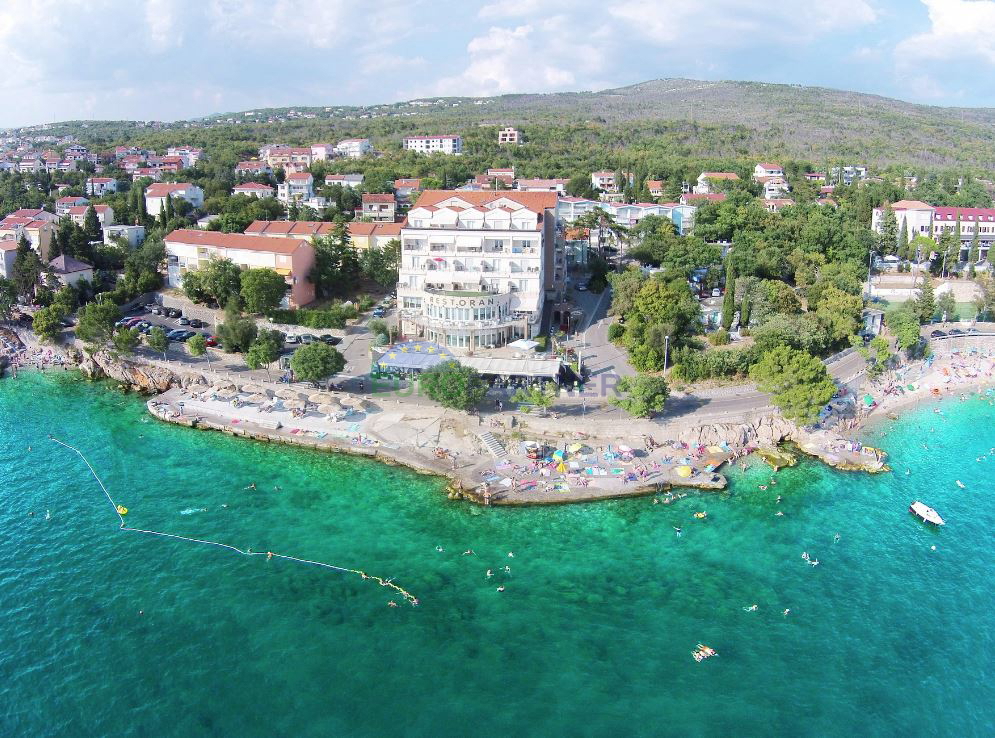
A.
pixel 666 351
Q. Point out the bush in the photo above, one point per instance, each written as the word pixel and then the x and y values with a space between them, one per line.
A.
pixel 615 331
pixel 366 303
pixel 719 338
pixel 691 365
pixel 333 317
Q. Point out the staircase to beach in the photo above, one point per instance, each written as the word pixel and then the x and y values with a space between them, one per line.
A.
pixel 493 445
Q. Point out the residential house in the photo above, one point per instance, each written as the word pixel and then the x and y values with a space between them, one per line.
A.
pixel 34 214
pixel 253 189
pixel 150 172
pixel 290 158
pixel 708 181
pixel 38 232
pixel 776 204
pixel 476 267
pixel 322 152
pixel 156 194
pixel 70 271
pixel 379 207
pixel 847 174
pixel 346 180
pixel 542 185
pixel 604 181
pixel 655 187
pixel 171 164
pixel 691 198
pixel 404 187
pixel 252 168
pixel 100 186
pixel 815 176
pixel 105 214
pixel 291 258
pixel 504 176
pixel 353 148
pixel 434 144
pixel 8 254
pixel 509 135
pixel 133 234
pixel 76 153
pixel 775 187
pixel 188 154
pixel 131 162
pixel 297 186
pixel 31 165
pixel 63 204
pixel 364 235
pixel 766 169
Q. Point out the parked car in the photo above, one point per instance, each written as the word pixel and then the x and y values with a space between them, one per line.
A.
pixel 955 332
pixel 174 313
pixel 938 334
pixel 196 323
pixel 292 339
pixel 972 331
pixel 121 322
pixel 716 292
pixel 378 312
pixel 184 321
pixel 145 328
pixel 582 287
pixel 330 339
pixel 174 335
pixel 308 338
pixel 186 336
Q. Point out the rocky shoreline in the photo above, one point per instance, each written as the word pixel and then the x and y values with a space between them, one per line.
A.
pixel 766 433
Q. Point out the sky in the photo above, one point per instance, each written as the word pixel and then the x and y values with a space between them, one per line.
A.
pixel 178 59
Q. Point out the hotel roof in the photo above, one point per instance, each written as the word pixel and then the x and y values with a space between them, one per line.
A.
pixel 237 241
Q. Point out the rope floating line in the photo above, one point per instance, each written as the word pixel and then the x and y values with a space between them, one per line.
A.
pixel 244 552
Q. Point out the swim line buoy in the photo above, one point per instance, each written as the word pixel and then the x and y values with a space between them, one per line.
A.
pixel 122 510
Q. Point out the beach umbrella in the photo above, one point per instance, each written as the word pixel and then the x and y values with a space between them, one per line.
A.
pixel 624 449
pixel 253 389
pixel 322 397
pixel 257 399
pixel 575 447
pixel 868 400
pixel 289 394
pixel 297 404
pixel 329 408
pixel 683 471
pixel 561 467
pixel 715 450
pixel 226 394
pixel 356 403
pixel 558 455
pixel 223 386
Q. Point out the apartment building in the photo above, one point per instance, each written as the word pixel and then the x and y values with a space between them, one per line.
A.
pixel 509 135
pixel 434 144
pixel 291 258
pixel 353 148
pixel 100 186
pixel 379 207
pixel 922 219
pixel 156 194
pixel 709 181
pixel 105 214
pixel 253 189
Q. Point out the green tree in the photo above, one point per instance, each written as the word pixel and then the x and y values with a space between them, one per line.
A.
pixel 888 238
pixel 798 382
pixel 47 323
pixel 262 290
pixel 542 398
pixel 642 395
pixel 729 299
pixel 264 350
pixel 336 264
pixel 947 305
pixel 453 385
pixel 96 321
pixel 879 352
pixel 91 225
pixel 8 299
pixel 840 313
pixel 197 347
pixel 972 256
pixel 925 301
pixel 903 324
pixel 27 269
pixel 193 286
pixel 222 280
pixel 158 340
pixel 903 240
pixel 316 362
pixel 381 264
pixel 126 340
pixel 238 331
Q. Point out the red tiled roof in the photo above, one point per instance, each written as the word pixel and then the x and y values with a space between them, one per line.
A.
pixel 81 209
pixel 373 197
pixel 358 228
pixel 415 183
pixel 100 180
pixel 290 227
pixel 253 186
pixel 239 241
pixel 299 175
pixel 161 189
pixel 535 201
pixel 911 205
pixel 968 214
pixel 770 166
pixel 721 175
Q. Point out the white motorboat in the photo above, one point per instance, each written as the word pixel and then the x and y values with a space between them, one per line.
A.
pixel 925 513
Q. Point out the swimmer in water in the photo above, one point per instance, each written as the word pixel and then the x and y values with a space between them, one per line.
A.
pixel 501 588
pixel 813 562
pixel 507 570
pixel 778 500
pixel 469 552
pixel 48 515
pixel 836 538
pixel 751 608
pixel 677 531
pixel 489 573
pixel 440 549
pixel 269 555
pixel 511 555
pixel 779 514
pixel 786 611
pixel 251 486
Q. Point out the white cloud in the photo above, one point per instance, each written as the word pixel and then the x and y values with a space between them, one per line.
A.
pixel 160 17
pixel 514 8
pixel 959 29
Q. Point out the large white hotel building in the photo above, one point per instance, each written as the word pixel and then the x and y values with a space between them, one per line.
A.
pixel 476 267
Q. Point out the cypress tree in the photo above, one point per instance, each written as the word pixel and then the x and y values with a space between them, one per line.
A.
pixel 729 300
pixel 972 257
pixel 903 240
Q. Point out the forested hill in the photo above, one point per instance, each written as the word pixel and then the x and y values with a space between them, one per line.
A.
pixel 693 119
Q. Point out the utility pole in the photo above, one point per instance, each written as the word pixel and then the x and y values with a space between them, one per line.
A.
pixel 666 352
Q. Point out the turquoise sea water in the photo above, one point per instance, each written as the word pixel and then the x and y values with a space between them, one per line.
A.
pixel 592 635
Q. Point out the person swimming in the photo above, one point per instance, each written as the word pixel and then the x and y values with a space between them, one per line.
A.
pixel 489 573
pixel 511 555
pixel 678 531
pixel 501 588
pixel 251 486
pixel 469 552
pixel 507 570
pixel 779 514
pixel 836 538
pixel 786 611
pixel 392 604
pixel 751 608
pixel 440 549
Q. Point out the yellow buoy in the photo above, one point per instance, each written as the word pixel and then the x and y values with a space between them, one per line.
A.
pixel 122 510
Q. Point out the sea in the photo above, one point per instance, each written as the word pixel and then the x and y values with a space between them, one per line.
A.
pixel 585 626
